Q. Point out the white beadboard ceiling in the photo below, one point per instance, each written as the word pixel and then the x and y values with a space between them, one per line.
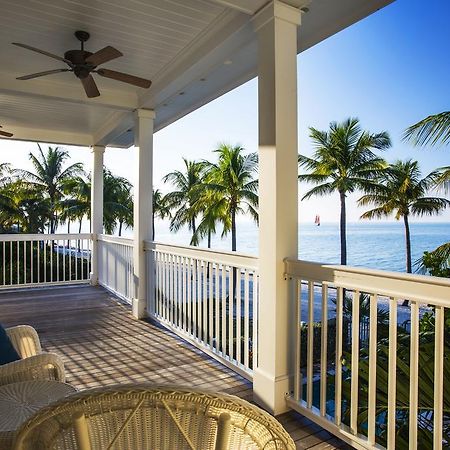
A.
pixel 180 44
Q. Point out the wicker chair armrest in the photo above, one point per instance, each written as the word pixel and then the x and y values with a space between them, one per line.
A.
pixel 25 340
pixel 45 366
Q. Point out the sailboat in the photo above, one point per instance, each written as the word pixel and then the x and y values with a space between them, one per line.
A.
pixel 317 220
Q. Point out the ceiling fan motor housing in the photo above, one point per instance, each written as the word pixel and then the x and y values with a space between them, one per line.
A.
pixel 78 59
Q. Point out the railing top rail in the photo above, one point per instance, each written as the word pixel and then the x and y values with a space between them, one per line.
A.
pixel 422 288
pixel 18 237
pixel 228 258
pixel 115 239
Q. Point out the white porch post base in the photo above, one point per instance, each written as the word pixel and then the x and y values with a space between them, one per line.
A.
pixel 271 392
pixel 138 308
pixel 96 207
pixel 276 25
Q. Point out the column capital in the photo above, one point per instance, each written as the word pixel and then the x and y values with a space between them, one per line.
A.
pixel 97 149
pixel 277 9
pixel 145 113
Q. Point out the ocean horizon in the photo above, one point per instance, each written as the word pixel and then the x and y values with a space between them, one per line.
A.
pixel 376 245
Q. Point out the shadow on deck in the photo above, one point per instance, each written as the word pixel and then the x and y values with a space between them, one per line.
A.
pixel 101 344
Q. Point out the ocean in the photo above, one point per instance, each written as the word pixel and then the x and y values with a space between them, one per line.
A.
pixel 377 245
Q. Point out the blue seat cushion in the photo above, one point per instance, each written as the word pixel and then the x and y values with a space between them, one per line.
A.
pixel 7 352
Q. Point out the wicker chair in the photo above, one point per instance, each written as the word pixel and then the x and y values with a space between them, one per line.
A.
pixel 142 417
pixel 35 365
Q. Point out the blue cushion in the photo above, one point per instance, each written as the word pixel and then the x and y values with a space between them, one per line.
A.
pixel 7 351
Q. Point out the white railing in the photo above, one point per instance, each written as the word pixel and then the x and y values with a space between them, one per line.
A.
pixel 44 259
pixel 209 298
pixel 390 390
pixel 116 266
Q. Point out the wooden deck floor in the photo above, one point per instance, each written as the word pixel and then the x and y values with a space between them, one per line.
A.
pixel 101 344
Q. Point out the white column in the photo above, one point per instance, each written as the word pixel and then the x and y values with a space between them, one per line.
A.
pixel 276 26
pixel 96 206
pixel 143 204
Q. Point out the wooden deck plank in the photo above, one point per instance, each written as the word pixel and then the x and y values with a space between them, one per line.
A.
pixel 101 343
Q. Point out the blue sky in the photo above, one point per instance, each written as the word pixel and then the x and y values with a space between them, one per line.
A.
pixel 389 70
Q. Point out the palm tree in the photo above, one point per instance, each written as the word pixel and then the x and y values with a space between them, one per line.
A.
pixel 115 188
pixel 402 191
pixel 343 162
pixel 77 204
pixel 160 208
pixel 432 130
pixel 233 187
pixel 50 175
pixel 213 213
pixel 188 186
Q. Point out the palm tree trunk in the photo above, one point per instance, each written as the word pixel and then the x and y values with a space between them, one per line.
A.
pixel 209 238
pixel 233 248
pixel 153 227
pixel 233 230
pixel 194 228
pixel 408 245
pixel 79 227
pixel 120 227
pixel 343 230
pixel 408 251
pixel 68 226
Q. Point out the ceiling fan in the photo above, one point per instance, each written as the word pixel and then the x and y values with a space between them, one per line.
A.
pixel 5 133
pixel 83 64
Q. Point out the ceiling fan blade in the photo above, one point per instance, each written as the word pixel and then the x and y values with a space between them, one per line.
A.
pixel 6 134
pixel 90 87
pixel 104 55
pixel 42 74
pixel 43 52
pixel 125 78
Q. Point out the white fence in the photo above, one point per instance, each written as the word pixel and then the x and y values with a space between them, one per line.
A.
pixel 210 299
pixel 115 265
pixel 391 390
pixel 44 259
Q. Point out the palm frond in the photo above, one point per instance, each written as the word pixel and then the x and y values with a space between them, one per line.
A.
pixel 432 130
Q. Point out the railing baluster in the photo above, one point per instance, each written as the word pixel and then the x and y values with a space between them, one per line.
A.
pixel 224 310
pixel 238 316
pixel 231 288
pixel 392 375
pixel 18 262
pixel 24 262
pixel 4 263
pixel 158 311
pixel 323 350
pixel 355 364
pixel 51 261
pixel 205 301
pixel 217 303
pixel 164 286
pixel 439 349
pixel 211 304
pixel 184 289
pixel 57 261
pixel 338 363
pixel 194 298
pixel 255 304
pixel 310 343
pixel 175 288
pixel 297 367
pixel 414 376
pixel 247 317
pixel 32 262
pixel 189 295
pixel 372 397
